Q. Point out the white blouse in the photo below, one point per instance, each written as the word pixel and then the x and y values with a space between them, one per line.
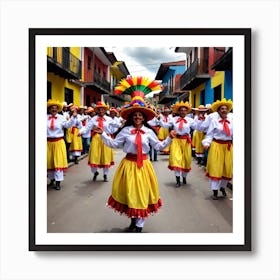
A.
pixel 215 131
pixel 126 140
pixel 59 124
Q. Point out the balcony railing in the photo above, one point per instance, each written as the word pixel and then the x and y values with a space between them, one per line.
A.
pixel 189 74
pixel 65 60
pixel 101 82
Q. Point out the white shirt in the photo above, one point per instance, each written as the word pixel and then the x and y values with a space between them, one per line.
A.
pixel 126 140
pixel 59 124
pixel 186 129
pixel 108 123
pixel 215 131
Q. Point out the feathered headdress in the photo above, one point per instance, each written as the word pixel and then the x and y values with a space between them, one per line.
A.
pixel 137 88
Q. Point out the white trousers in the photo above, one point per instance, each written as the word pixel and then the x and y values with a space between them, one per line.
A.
pixel 140 222
pixel 178 173
pixel 105 170
pixel 216 185
pixel 56 175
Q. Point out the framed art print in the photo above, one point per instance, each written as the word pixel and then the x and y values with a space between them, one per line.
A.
pixel 81 67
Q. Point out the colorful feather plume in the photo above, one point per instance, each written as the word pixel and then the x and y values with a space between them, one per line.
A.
pixel 137 86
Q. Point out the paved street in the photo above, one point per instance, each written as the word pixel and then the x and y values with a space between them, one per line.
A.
pixel 80 206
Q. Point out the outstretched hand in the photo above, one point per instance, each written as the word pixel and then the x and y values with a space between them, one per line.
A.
pixel 172 134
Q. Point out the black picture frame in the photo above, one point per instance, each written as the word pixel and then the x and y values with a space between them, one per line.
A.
pixel 33 35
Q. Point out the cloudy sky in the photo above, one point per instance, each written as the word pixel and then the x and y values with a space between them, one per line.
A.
pixel 143 61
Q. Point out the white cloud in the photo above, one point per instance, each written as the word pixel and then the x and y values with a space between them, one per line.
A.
pixel 144 61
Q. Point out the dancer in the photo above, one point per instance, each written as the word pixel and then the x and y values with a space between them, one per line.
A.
pixel 56 149
pixel 135 190
pixel 219 136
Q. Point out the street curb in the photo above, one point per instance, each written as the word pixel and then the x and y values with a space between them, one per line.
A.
pixel 80 158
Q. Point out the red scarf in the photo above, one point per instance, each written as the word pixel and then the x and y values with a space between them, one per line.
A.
pixel 138 142
pixel 52 118
pixel 100 122
pixel 181 122
pixel 225 126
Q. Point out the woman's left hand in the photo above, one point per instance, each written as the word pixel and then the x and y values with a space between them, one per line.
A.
pixel 172 134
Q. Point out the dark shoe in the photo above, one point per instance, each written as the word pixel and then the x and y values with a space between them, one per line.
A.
pixel 178 183
pixel 215 195
pixel 57 185
pixel 76 160
pixel 223 192
pixel 95 176
pixel 138 229
pixel 105 178
pixel 184 180
pixel 132 225
pixel 51 184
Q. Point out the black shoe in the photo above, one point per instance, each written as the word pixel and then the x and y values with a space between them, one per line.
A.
pixel 132 225
pixel 184 180
pixel 105 178
pixel 57 185
pixel 95 176
pixel 178 183
pixel 138 229
pixel 223 192
pixel 215 195
pixel 76 160
pixel 51 184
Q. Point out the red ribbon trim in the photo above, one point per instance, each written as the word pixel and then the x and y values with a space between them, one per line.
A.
pixel 123 209
pixel 179 168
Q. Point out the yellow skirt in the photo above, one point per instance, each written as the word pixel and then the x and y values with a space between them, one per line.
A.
pixel 56 155
pixel 163 133
pixel 180 157
pixel 69 135
pixel 76 143
pixel 135 191
pixel 100 155
pixel 199 136
pixel 219 161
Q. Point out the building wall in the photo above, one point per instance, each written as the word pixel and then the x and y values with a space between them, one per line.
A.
pixel 58 85
pixel 228 85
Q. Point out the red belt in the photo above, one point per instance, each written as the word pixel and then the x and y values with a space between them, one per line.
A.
pixel 54 139
pixel 133 157
pixel 189 140
pixel 228 142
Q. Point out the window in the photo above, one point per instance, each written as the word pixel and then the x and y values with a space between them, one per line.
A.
pixel 89 62
pixel 202 97
pixel 217 93
pixel 68 95
pixel 49 90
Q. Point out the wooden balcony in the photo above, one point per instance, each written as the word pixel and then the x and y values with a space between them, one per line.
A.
pixel 98 83
pixel 166 96
pixel 63 63
pixel 195 75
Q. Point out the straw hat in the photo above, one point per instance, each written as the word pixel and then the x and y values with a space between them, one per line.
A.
pixel 202 108
pixel 89 110
pixel 53 102
pixel 178 105
pixel 138 104
pixel 222 102
pixel 100 104
pixel 112 109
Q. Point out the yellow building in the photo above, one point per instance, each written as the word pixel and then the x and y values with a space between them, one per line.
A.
pixel 64 74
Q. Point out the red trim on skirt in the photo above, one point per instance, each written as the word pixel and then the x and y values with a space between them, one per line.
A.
pixel 217 178
pixel 58 169
pixel 132 212
pixel 75 150
pixel 54 139
pixel 179 168
pixel 101 166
